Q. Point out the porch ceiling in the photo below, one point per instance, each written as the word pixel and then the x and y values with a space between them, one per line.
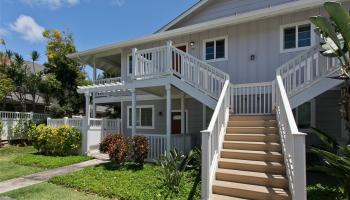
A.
pixel 110 63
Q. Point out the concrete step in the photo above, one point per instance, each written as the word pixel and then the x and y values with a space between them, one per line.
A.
pixel 272 156
pixel 253 137
pixel 254 146
pixel 252 123
pixel 252 165
pixel 252 117
pixel 254 178
pixel 248 191
pixel 249 130
pixel 223 197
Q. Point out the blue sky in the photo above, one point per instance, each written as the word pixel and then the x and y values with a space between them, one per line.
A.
pixel 92 22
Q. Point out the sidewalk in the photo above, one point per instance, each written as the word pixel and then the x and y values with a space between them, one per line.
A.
pixel 40 177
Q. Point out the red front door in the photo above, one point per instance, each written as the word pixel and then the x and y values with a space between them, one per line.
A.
pixel 177 62
pixel 176 122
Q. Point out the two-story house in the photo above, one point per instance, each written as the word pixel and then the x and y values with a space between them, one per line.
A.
pixel 254 59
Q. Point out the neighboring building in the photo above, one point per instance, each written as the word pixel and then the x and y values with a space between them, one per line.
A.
pixel 183 68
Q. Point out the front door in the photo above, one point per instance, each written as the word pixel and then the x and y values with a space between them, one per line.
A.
pixel 176 122
pixel 177 62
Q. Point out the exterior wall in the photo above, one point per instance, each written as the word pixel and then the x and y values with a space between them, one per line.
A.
pixel 193 108
pixel 260 38
pixel 217 9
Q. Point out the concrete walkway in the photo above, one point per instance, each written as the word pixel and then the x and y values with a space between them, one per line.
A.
pixel 40 177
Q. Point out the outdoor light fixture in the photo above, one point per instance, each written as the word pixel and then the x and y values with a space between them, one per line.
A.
pixel 192 44
pixel 252 57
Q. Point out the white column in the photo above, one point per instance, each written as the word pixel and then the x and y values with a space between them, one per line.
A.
pixel 133 112
pixel 168 117
pixel 87 108
pixel 169 56
pixel 183 128
pixel 122 116
pixel 93 109
pixel 204 119
pixel 134 63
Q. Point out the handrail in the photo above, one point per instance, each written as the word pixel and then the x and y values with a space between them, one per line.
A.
pixel 212 140
pixel 293 143
pixel 107 80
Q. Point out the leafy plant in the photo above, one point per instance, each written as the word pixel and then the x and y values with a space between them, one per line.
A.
pixel 335 161
pixel 140 147
pixel 19 134
pixel 118 149
pixel 314 192
pixel 172 168
pixel 60 141
pixel 335 42
pixel 106 142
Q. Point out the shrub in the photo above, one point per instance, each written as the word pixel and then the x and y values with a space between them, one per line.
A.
pixel 172 168
pixel 140 149
pixel 19 133
pixel 106 142
pixel 118 149
pixel 314 192
pixel 55 141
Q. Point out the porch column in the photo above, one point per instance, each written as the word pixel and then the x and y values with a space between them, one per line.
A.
pixel 183 131
pixel 87 107
pixel 204 119
pixel 93 109
pixel 168 118
pixel 133 111
pixel 134 63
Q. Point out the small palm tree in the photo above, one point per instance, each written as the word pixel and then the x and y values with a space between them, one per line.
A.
pixel 35 57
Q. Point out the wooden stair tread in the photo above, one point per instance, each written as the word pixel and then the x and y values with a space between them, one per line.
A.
pixel 252 188
pixel 251 162
pixel 224 197
pixel 253 152
pixel 251 174
pixel 249 142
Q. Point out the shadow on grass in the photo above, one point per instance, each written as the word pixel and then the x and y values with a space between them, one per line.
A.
pixel 197 181
pixel 111 166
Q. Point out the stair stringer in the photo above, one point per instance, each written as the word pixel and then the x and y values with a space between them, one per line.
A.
pixel 193 92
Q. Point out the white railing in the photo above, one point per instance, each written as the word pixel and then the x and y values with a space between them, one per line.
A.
pixel 95 123
pixel 23 115
pixel 157 144
pixel 306 69
pixel 76 122
pixel 293 143
pixel 252 98
pixel 212 140
pixel 111 127
pixel 168 60
pixel 108 81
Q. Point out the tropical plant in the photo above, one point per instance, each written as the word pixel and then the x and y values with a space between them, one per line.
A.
pixel 49 87
pixel 118 149
pixel 314 192
pixel 140 147
pixel 334 161
pixel 335 42
pixel 106 142
pixel 171 171
pixel 35 57
pixel 19 134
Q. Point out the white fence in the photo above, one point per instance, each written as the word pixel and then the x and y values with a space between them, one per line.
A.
pixel 157 144
pixel 252 98
pixel 293 143
pixel 10 120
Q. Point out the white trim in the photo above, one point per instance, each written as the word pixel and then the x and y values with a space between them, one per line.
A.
pixel 138 107
pixel 182 44
pixel 127 64
pixel 186 116
pixel 182 16
pixel 212 24
pixel 296 25
pixel 225 38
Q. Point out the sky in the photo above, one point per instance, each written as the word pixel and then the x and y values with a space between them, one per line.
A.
pixel 93 22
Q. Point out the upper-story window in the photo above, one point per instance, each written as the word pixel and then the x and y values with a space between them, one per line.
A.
pixel 296 37
pixel 129 64
pixel 215 49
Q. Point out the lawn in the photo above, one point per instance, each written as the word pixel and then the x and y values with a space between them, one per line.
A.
pixel 127 183
pixel 19 161
pixel 48 191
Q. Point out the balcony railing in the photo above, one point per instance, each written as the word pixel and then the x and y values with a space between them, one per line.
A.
pixel 108 81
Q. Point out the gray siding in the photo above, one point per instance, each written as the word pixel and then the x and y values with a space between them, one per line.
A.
pixel 215 9
pixel 193 107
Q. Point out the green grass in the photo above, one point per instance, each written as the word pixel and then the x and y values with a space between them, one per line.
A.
pixel 20 161
pixel 48 191
pixel 126 183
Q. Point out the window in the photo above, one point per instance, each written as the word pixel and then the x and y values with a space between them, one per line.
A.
pixel 304 115
pixel 129 64
pixel 295 37
pixel 144 117
pixel 215 49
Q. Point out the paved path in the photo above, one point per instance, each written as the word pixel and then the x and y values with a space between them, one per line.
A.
pixel 40 177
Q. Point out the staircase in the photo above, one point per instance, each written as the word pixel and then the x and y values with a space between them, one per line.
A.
pixel 251 164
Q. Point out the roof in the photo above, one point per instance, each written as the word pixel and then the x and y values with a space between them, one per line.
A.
pixel 212 24
pixel 193 8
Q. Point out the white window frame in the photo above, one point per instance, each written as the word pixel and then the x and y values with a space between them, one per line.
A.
pixel 296 25
pixel 214 40
pixel 141 127
pixel 127 65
